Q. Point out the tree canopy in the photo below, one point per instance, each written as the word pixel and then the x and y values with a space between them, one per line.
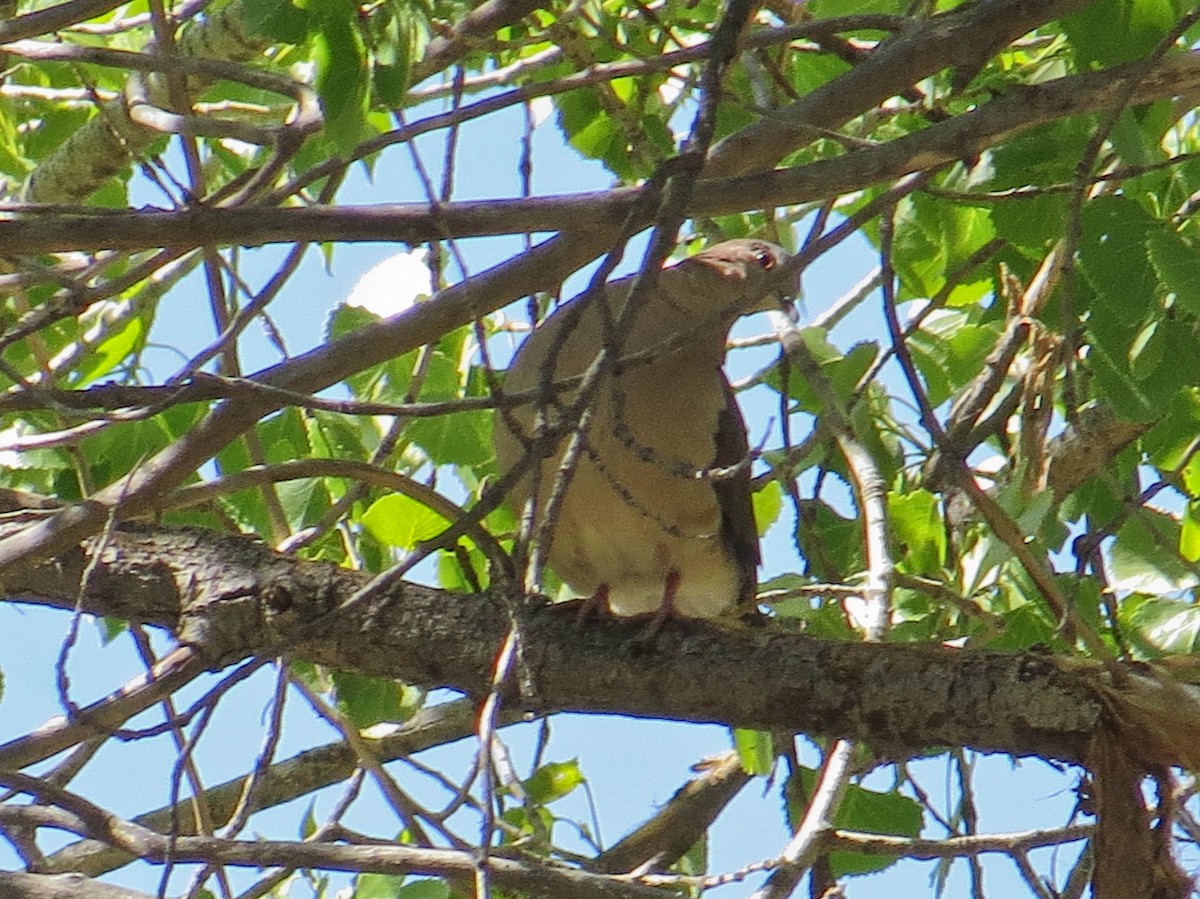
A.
pixel 976 469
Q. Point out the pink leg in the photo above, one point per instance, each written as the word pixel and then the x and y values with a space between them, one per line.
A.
pixel 666 611
pixel 594 605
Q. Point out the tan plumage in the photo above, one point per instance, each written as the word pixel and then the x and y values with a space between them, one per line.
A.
pixel 635 528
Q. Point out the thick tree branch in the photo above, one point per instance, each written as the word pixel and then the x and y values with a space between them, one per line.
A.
pixel 44 229
pixel 963 39
pixel 231 597
pixel 17 885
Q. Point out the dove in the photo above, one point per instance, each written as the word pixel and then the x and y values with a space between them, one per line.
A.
pixel 648 523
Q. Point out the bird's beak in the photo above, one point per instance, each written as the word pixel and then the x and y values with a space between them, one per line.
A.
pixel 786 304
pixel 780 301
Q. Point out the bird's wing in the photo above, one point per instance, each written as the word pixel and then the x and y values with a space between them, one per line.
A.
pixel 733 496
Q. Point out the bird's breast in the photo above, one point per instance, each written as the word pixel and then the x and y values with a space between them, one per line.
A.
pixel 635 566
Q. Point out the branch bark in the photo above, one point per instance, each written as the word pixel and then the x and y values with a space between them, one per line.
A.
pixel 963 39
pixel 16 885
pixel 43 230
pixel 230 597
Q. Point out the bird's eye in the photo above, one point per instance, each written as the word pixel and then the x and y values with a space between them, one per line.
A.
pixel 766 259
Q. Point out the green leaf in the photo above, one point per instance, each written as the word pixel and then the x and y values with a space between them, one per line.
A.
pixel 112 351
pixel 832 545
pixel 822 617
pixel 464 438
pixel 532 824
pixel 812 70
pixel 918 532
pixel 276 20
pixel 1189 535
pixel 378 886
pixel 657 135
pixel 597 138
pixel 451 574
pixel 822 9
pixel 336 436
pixel 1177 263
pixel 115 451
pixel 1116 384
pixel 1031 223
pixel 308 822
pixel 1110 32
pixel 370 700
pixel 1173 437
pixel 867 811
pixel 399 38
pixel 843 371
pixel 425 889
pixel 284 437
pixel 1159 626
pixel 1190 477
pixel 1146 351
pixel 1112 254
pixel 1138 137
pixel 934 237
pixel 346 318
pixel 873 812
pixel 768 503
pixel 694 862
pixel 111 628
pixel 916 617
pixel 340 58
pixel 949 351
pixel 1042 155
pixel 302 500
pixel 929 354
pixel 1144 556
pixel 755 749
pixel 553 780
pixel 400 521
pixel 1024 627
pixel 584 123
pixel 969 345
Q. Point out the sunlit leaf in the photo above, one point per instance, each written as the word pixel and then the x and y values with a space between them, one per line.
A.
pixel 341 80
pixel 553 780
pixel 755 749
pixel 918 531
pixel 113 351
pixel 1163 625
pixel 400 521
pixel 768 503
pixel 1144 556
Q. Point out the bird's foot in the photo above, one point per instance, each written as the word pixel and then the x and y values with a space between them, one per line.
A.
pixel 666 610
pixel 594 606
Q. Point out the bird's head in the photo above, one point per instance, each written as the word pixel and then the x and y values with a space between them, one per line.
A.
pixel 752 274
